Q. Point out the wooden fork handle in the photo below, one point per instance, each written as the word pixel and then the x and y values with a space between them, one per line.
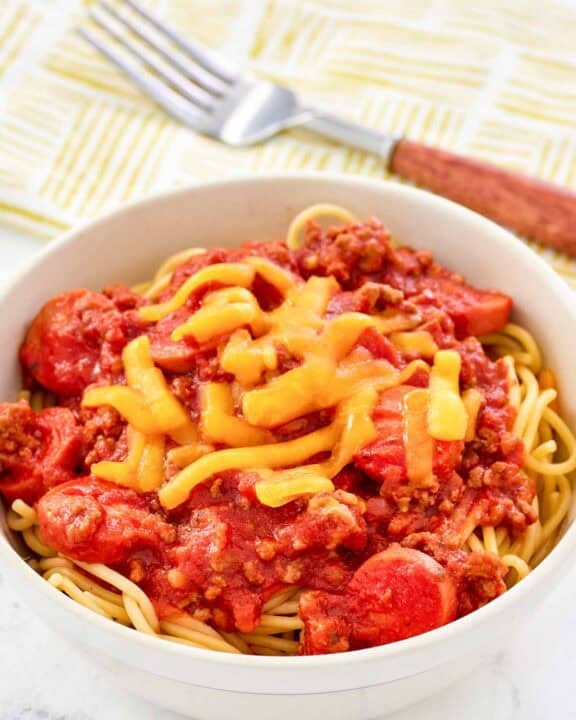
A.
pixel 533 208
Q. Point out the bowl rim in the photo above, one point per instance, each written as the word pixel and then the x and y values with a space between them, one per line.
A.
pixel 513 596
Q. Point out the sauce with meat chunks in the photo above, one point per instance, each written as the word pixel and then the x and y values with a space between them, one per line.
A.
pixel 150 460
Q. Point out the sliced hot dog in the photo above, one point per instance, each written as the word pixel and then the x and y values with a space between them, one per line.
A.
pixel 396 594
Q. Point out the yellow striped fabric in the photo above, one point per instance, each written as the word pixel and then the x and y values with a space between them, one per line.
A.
pixel 494 79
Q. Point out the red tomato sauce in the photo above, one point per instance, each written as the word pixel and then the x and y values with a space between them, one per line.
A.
pixel 381 560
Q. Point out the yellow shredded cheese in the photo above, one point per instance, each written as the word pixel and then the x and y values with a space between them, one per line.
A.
pixel 247 359
pixel 147 403
pixel 227 296
pixel 314 295
pixel 124 472
pixel 292 452
pixel 127 402
pixel 447 417
pixel 342 333
pixel 280 487
pixel 472 399
pixel 211 321
pixel 220 424
pixel 417 341
pixel 150 475
pixel 186 454
pixel 418 443
pixel 333 372
pixel 222 273
pixel 391 321
pixel 356 430
pixel 281 279
pixel 143 468
pixel 355 418
pixel 268 406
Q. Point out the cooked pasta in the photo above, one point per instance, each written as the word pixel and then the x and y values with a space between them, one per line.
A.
pixel 279 404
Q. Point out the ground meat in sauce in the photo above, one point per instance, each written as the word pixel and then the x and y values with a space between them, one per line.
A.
pixel 221 555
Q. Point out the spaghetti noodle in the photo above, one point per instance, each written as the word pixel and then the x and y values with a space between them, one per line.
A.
pixel 350 369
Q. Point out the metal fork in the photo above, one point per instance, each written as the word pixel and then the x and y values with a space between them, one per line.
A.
pixel 209 94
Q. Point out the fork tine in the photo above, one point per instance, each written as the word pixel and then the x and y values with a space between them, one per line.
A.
pixel 190 91
pixel 211 61
pixel 173 103
pixel 196 73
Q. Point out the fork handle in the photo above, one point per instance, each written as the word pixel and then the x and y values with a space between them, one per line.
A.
pixel 532 208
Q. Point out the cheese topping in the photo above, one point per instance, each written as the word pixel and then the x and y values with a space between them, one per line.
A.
pixel 281 279
pixel 355 428
pixel 473 400
pixel 305 386
pixel 220 424
pixel 418 444
pixel 246 359
pixel 280 487
pixel 447 417
pixel 292 452
pixel 221 273
pixel 213 320
pixel 314 295
pixel 182 456
pixel 417 341
pixel 147 404
pixel 143 469
pixel 332 371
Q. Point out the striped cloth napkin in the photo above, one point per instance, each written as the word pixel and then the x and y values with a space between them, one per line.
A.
pixel 493 79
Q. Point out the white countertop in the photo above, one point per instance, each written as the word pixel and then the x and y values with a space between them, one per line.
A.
pixel 40 678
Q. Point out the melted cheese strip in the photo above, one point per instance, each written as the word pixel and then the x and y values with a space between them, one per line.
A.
pixel 281 279
pixel 247 359
pixel 280 487
pixel 150 475
pixel 147 404
pixel 223 311
pixel 473 400
pixel 418 444
pixel 314 295
pixel 127 402
pixel 447 417
pixel 356 430
pixel 143 468
pixel 219 423
pixel 417 341
pixel 186 454
pixel 355 419
pixel 144 377
pixel 222 273
pixel 316 385
pixel 123 473
pixel 304 386
pixel 211 321
pixel 294 326
pixel 333 373
pixel 343 332
pixel 292 452
pixel 227 296
pixel 391 321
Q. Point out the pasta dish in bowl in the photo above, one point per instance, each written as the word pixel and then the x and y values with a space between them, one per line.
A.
pixel 322 443
pixel 307 446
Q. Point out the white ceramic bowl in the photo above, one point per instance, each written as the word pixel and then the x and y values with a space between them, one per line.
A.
pixel 126 246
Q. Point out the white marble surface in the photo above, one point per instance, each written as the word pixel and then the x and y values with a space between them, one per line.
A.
pixel 42 679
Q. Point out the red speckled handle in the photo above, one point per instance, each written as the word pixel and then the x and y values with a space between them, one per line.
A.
pixel 532 208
